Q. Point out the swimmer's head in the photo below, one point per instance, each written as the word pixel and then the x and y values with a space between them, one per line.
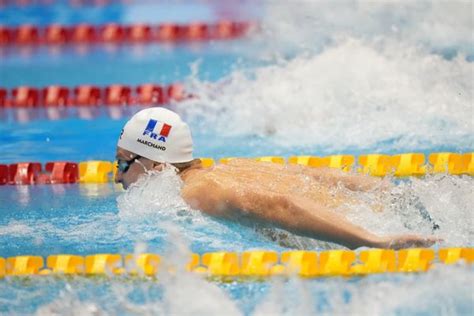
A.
pixel 150 139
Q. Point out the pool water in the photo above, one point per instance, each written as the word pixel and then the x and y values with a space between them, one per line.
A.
pixel 320 78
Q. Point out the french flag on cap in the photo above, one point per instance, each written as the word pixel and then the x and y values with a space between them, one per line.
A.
pixel 162 134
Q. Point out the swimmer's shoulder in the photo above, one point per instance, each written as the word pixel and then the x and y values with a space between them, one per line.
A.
pixel 199 181
pixel 207 192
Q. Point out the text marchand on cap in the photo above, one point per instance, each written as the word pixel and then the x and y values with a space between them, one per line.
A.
pixel 150 144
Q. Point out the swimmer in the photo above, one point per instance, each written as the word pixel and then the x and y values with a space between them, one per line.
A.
pixel 299 199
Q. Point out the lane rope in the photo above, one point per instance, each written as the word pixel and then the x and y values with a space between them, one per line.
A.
pixel 88 95
pixel 400 165
pixel 253 264
pixel 114 33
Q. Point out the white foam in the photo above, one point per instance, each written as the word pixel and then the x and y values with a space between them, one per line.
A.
pixel 292 297
pixel 156 193
pixel 16 228
pixel 382 95
pixel 444 290
pixel 188 294
pixel 309 25
pixel 447 199
pixel 69 304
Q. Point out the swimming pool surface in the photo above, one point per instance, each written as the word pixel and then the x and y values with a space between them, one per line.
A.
pixel 320 78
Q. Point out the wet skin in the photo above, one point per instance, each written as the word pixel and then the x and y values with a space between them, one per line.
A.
pixel 296 198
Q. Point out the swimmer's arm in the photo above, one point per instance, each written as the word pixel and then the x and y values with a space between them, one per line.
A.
pixel 304 217
pixel 299 215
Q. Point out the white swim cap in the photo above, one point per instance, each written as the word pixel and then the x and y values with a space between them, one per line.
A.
pixel 158 134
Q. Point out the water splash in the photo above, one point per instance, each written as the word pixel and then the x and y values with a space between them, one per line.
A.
pixel 16 228
pixel 156 193
pixel 417 205
pixel 444 290
pixel 382 95
pixel 310 25
pixel 68 303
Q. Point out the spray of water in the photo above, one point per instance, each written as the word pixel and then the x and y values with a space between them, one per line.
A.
pixel 310 25
pixel 437 205
pixel 382 95
pixel 157 193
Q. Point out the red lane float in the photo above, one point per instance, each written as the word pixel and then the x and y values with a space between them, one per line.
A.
pixel 24 172
pixel 31 173
pixel 138 33
pixel 175 92
pixel 55 96
pixel 87 95
pixel 224 30
pixel 91 95
pixel 25 97
pixel 150 94
pixel 57 34
pixel 62 172
pixel 83 34
pixel 169 32
pixel 117 95
pixel 196 32
pixel 26 34
pixel 111 33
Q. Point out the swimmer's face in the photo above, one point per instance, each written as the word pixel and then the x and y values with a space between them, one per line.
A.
pixel 131 167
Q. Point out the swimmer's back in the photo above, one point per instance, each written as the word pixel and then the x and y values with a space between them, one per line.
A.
pixel 270 178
